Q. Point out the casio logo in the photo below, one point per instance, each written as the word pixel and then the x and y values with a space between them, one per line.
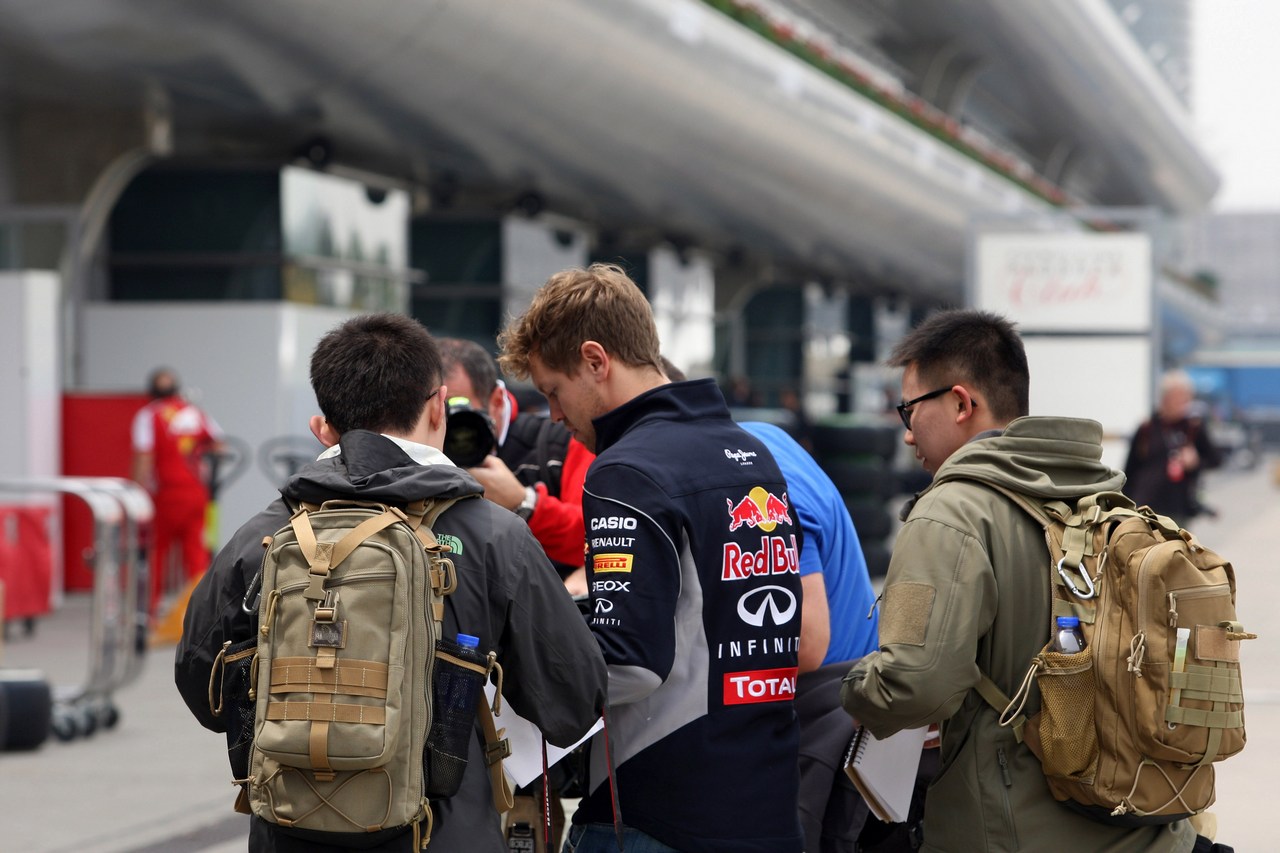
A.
pixel 613 522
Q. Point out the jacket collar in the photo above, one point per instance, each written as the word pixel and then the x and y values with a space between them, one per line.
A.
pixel 695 399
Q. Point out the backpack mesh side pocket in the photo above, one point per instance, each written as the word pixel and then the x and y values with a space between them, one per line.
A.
pixel 458 684
pixel 1068 738
pixel 233 699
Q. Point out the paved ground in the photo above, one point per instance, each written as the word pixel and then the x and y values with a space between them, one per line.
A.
pixel 158 782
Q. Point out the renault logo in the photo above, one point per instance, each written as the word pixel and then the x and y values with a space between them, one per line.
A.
pixel 776 602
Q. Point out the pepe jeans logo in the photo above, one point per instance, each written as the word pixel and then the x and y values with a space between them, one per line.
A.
pixel 742 457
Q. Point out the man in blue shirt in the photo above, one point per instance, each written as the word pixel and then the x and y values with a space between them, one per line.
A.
pixel 839 624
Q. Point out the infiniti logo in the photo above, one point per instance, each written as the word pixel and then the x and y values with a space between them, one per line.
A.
pixel 754 605
pixel 603 605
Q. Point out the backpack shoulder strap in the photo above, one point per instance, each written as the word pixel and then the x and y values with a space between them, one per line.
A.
pixel 550 449
pixel 534 449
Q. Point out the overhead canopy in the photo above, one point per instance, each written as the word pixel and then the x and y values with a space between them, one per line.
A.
pixel 659 115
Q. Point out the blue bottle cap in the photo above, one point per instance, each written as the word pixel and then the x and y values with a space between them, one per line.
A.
pixel 468 642
pixel 1063 622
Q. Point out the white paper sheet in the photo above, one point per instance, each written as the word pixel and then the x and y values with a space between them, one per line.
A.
pixel 525 762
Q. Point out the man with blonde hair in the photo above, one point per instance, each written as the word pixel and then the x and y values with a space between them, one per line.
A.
pixel 692 565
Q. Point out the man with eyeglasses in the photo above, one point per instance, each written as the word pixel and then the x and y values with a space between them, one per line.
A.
pixel 967 591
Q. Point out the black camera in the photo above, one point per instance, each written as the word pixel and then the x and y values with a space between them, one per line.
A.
pixel 468 436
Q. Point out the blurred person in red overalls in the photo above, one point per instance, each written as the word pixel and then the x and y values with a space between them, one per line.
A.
pixel 171 439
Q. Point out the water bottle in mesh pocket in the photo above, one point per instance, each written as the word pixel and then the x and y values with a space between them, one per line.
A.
pixel 460 674
pixel 231 696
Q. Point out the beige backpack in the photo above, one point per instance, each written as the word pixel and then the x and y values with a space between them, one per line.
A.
pixel 1129 728
pixel 349 639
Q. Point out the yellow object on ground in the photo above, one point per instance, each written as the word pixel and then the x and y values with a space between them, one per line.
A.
pixel 168 628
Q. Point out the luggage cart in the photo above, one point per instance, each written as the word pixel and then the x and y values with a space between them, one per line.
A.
pixel 117 624
pixel 134 555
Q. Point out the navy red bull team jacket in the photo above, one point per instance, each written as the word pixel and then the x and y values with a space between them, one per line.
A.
pixel 693 570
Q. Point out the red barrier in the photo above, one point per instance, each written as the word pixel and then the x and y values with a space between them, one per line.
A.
pixel 96 442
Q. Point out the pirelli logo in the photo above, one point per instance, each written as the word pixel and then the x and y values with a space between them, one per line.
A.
pixel 603 563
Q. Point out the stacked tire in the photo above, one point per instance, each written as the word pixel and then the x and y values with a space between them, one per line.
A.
pixel 26 709
pixel 858 456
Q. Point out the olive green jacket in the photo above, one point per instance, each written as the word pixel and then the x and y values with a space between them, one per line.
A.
pixel 968 592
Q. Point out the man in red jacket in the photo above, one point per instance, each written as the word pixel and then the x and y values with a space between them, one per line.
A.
pixel 171 439
pixel 537 469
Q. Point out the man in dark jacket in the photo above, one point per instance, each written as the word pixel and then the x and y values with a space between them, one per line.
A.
pixel 693 568
pixel 377 379
pixel 1168 451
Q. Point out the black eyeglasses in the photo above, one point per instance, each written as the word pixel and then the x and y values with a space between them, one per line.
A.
pixel 432 394
pixel 903 407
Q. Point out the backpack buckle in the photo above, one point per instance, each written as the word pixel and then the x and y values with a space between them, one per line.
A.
pixel 327 610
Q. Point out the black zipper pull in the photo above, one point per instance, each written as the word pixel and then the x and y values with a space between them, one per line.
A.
pixel 1004 768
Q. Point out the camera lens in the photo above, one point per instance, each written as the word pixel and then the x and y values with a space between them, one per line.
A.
pixel 468 436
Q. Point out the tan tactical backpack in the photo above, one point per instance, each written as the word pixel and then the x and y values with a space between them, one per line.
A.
pixel 1130 727
pixel 349 638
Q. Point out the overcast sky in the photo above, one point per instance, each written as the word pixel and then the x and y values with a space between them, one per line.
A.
pixel 1234 97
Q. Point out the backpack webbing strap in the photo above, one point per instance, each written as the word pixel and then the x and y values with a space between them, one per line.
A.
pixel 425 511
pixel 324 556
pixel 496 748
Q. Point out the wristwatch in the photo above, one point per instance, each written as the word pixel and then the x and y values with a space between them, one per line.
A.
pixel 525 510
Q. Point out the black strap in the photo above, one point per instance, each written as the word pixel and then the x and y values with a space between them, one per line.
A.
pixel 613 778
pixel 534 450
pixel 546 799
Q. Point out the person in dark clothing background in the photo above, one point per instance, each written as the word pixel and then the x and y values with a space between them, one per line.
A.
pixel 1168 452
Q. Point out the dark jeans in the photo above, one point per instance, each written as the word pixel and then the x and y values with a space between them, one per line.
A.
pixel 600 838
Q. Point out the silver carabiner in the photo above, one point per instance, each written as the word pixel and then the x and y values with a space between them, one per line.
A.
pixel 1071 584
pixel 252 594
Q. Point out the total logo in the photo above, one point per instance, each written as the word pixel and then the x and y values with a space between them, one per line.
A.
pixel 760 508
pixel 760 685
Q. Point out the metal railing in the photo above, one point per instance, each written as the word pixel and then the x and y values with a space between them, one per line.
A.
pixel 118 624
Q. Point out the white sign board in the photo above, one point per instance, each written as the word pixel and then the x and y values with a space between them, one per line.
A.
pixel 1103 379
pixel 1066 282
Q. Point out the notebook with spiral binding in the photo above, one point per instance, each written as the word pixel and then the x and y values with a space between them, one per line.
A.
pixel 884 771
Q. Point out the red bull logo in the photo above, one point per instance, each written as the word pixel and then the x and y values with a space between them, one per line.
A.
pixel 778 555
pixel 760 508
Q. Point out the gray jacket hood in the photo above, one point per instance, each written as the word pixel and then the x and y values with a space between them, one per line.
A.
pixel 1050 458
